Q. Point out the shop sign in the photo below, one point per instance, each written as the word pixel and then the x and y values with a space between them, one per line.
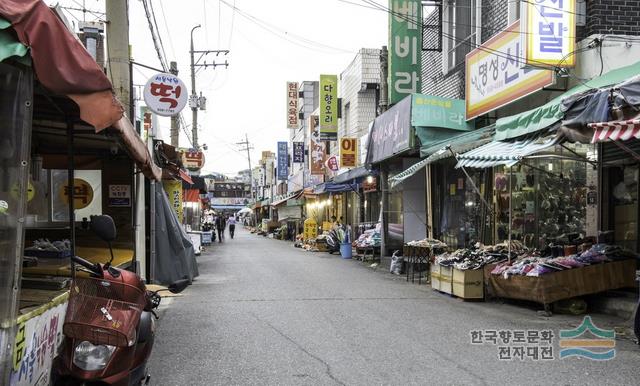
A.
pixel 298 152
pixel 434 111
pixel 328 107
pixel 229 201
pixel 548 32
pixel 292 105
pixel 405 48
pixel 120 195
pixel 283 161
pixel 192 159
pixel 317 147
pixel 496 75
pixel 36 344
pixel 391 132
pixel 332 163
pixel 370 185
pixel 310 230
pixel 348 152
pixel 165 94
pixel 82 193
pixel 174 191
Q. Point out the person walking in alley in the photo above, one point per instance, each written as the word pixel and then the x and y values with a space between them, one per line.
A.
pixel 232 225
pixel 221 223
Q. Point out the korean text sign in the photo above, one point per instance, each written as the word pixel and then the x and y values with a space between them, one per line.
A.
pixel 165 94
pixel 317 148
pixel 174 192
pixel 298 152
pixel 549 32
pixel 283 161
pixel 405 48
pixel 292 105
pixel 348 152
pixel 328 107
pixel 496 75
pixel 434 111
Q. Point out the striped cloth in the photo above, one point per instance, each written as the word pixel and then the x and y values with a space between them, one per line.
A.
pixel 615 130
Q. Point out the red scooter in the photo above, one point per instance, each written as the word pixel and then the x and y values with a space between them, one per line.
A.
pixel 110 323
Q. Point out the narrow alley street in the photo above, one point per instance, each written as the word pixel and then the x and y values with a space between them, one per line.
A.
pixel 264 312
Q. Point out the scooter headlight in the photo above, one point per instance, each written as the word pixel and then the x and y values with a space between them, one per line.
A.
pixel 90 357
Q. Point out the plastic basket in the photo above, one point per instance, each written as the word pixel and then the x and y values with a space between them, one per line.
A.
pixel 98 312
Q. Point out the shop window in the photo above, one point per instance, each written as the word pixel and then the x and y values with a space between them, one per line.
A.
pixel 461 35
pixel 87 194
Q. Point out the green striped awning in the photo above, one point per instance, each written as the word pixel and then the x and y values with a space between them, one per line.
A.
pixel 9 44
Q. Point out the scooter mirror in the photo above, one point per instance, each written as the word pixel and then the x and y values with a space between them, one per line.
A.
pixel 178 286
pixel 104 227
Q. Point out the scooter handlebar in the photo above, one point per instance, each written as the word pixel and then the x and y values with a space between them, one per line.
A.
pixel 93 267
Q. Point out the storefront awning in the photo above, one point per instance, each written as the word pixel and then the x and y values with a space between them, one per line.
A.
pixel 615 130
pixel 330 187
pixel 352 174
pixel 9 46
pixel 505 153
pixel 63 66
pixel 282 200
pixel 458 144
pixel 542 117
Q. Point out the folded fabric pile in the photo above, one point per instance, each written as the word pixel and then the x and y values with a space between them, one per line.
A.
pixel 46 245
pixel 370 238
pixel 537 266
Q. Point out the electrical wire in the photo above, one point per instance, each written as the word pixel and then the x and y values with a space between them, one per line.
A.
pixel 153 36
pixel 233 18
pixel 155 23
pixel 166 26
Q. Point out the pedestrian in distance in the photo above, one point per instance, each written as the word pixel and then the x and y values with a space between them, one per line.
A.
pixel 221 224
pixel 232 225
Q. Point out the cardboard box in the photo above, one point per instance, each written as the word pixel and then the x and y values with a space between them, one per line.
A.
pixel 435 277
pixel 446 279
pixel 468 284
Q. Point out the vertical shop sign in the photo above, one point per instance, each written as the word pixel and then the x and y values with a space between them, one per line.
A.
pixel 348 152
pixel 316 147
pixel 549 31
pixel 119 195
pixel 174 191
pixel 283 161
pixel 405 48
pixel 292 105
pixel 298 152
pixel 328 107
pixel 496 75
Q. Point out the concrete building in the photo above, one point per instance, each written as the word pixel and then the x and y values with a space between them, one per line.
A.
pixel 309 101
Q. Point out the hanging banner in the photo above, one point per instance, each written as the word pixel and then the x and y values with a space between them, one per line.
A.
pixel 298 152
pixel 332 163
pixel 292 105
pixel 548 32
pixel 317 149
pixel 165 94
pixel 328 107
pixel 405 48
pixel 496 76
pixel 348 152
pixel 174 191
pixel 283 161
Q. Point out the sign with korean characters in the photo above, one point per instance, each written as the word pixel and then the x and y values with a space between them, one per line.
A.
pixel 405 48
pixel 283 161
pixel 549 31
pixel 332 163
pixel 434 111
pixel 192 159
pixel 496 75
pixel 298 152
pixel 120 195
pixel 328 107
pixel 310 229
pixel 174 192
pixel 348 152
pixel 165 94
pixel 317 148
pixel 292 105
pixel 37 342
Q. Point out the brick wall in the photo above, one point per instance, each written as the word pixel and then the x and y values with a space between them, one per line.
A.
pixel 621 17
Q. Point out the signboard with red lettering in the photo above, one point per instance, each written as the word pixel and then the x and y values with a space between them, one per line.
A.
pixel 292 105
pixel 165 94
pixel 192 159
pixel 332 163
pixel 348 152
pixel 317 148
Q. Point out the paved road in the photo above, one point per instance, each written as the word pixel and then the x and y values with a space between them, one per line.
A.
pixel 265 313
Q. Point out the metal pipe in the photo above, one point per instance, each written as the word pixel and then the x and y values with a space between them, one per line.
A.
pixel 70 191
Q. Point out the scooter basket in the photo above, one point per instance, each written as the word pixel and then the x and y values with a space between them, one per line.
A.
pixel 98 312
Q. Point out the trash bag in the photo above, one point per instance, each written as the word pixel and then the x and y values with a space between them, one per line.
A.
pixel 396 263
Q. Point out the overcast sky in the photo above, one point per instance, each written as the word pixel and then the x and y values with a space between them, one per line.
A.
pixel 271 42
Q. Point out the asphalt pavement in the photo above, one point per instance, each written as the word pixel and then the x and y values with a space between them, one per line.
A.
pixel 265 313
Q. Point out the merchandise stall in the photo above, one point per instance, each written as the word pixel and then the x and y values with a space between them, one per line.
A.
pixel 68 153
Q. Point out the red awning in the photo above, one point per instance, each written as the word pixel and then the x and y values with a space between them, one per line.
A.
pixel 185 177
pixel 615 130
pixel 63 66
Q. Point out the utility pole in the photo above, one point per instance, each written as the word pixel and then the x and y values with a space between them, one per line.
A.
pixel 248 147
pixel 118 50
pixel 175 120
pixel 196 102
